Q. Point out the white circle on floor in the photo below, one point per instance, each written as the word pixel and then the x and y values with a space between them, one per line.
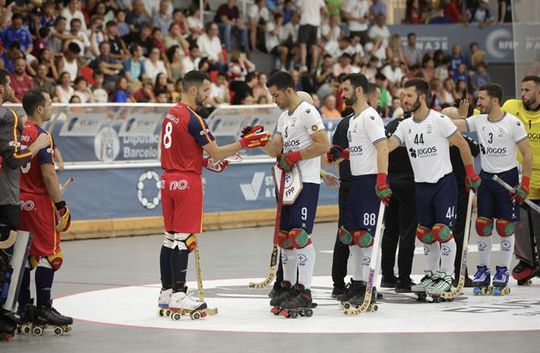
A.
pixel 242 309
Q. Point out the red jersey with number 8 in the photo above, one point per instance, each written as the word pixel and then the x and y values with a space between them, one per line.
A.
pixel 183 133
pixel 31 177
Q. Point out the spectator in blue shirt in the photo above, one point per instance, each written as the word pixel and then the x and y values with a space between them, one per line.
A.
pixel 481 76
pixel 121 94
pixel 457 58
pixel 18 33
pixel 134 65
pixel 461 73
pixel 378 8
pixel 10 55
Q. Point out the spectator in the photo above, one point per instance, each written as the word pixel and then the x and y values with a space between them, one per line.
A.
pixel 274 37
pixel 70 60
pixel 16 32
pixel 457 58
pixel 48 14
pixel 310 21
pixel 316 102
pixel 356 13
pixel 428 68
pixel 75 100
pixel 343 66
pixel 328 110
pixel 161 83
pixel 42 42
pixel 219 91
pixel 461 73
pixel 174 63
pixel 330 34
pixel 47 58
pixel 191 62
pixel 110 67
pixel 447 91
pixel 239 66
pixel 176 94
pixel 505 11
pixel 394 49
pixel 146 93
pixel 411 54
pixel 370 70
pixel 163 17
pixel 120 19
pixel 97 36
pixel 118 46
pixel 100 95
pixel 393 72
pixel 20 81
pixel 121 94
pixel 451 11
pixel 441 64
pixel 210 46
pixel 10 55
pixel 64 91
pixel 378 8
pixel 180 19
pixel 461 91
pixel 73 10
pixel 415 12
pixel 258 15
pixel 481 76
pixel 385 97
pixel 325 71
pixel 134 66
pixel 380 31
pixel 480 14
pixel 59 34
pixel 137 16
pixel 41 81
pixel 82 90
pixel 143 38
pixel 102 10
pixel 157 42
pixel 263 100
pixel 153 66
pixel 194 23
pixel 79 37
pixel 230 23
pixel 260 88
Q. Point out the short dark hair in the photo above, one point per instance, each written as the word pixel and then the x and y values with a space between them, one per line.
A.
pixel 420 85
pixel 411 34
pixel 4 74
pixel 371 88
pixel 282 80
pixel 193 78
pixel 535 79
pixel 17 16
pixel 493 90
pixel 357 80
pixel 32 100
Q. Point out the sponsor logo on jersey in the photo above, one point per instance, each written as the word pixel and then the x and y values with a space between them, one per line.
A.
pixel 291 144
pixel 24 138
pixel 27 205
pixel 423 152
pixel 355 149
pixel 172 117
pixel 205 131
pixel 493 151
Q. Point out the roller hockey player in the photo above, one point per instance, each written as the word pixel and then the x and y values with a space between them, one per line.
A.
pixel 368 155
pixel 499 134
pixel 184 136
pixel 427 136
pixel 298 143
pixel 527 244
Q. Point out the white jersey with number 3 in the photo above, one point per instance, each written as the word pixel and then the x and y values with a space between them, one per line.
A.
pixel 295 129
pixel 498 141
pixel 365 130
pixel 427 145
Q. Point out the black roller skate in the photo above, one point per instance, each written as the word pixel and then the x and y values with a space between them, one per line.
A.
pixel 8 326
pixel 287 292
pixel 352 289
pixel 299 305
pixel 353 304
pixel 27 313
pixel 47 316
pixel 523 273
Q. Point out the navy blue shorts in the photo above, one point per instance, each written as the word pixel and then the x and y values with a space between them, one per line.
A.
pixel 301 214
pixel 362 206
pixel 437 202
pixel 493 200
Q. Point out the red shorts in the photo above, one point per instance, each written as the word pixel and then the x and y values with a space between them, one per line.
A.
pixel 38 216
pixel 182 202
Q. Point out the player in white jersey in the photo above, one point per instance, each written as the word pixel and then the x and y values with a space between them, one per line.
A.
pixel 427 136
pixel 299 141
pixel 499 134
pixel 368 155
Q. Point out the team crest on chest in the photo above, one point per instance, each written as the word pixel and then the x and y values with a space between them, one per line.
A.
pixel 429 128
pixel 314 128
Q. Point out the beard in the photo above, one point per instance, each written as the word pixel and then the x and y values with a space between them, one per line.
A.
pixel 352 100
pixel 529 103
pixel 199 100
pixel 413 107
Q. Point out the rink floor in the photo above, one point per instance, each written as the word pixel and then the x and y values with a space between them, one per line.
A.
pixel 110 287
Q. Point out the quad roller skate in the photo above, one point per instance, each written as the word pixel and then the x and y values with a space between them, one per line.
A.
pixel 163 302
pixel 500 280
pixel 46 316
pixel 8 326
pixel 482 281
pixel 299 305
pixel 524 273
pixel 27 313
pixel 442 283
pixel 352 289
pixel 420 289
pixel 181 305
pixel 287 292
pixel 357 300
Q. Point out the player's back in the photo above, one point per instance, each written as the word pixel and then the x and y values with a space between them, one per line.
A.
pixel 183 133
pixel 31 177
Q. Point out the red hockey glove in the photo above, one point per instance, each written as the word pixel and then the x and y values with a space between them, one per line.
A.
pixel 215 166
pixel 286 161
pixel 254 136
pixel 336 152
pixel 472 180
pixel 384 193
pixel 522 190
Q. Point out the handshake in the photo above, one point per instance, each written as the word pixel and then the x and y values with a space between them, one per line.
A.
pixel 254 136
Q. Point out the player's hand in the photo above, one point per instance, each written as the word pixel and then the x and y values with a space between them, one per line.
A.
pixel 254 136
pixel 63 216
pixel 522 190
pixel 329 179
pixel 286 161
pixel 215 166
pixel 472 180
pixel 42 141
pixel 336 153
pixel 463 110
pixel 384 193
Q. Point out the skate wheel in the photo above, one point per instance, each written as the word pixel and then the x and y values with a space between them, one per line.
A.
pixel 204 314
pixel 195 315
pixel 309 313
pixel 302 313
pixel 37 331
pixel 373 307
pixel 161 312
pixel 67 329
pixel 506 291
pixel 284 313
pixel 293 315
pixel 176 316
pixel 275 310
pixel 347 305
pixel 496 292
pixel 58 331
pixel 436 299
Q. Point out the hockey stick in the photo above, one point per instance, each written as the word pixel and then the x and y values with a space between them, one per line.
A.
pixel 505 185
pixel 366 304
pixel 275 250
pixel 209 311
pixel 66 185
pixel 463 266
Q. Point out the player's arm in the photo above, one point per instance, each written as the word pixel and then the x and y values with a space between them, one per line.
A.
pixel 50 179
pixel 460 124
pixel 526 151
pixel 275 146
pixel 320 145
pixel 220 152
pixel 382 156
pixel 392 143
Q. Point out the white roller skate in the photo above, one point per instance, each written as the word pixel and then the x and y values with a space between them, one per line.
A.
pixel 420 289
pixel 442 283
pixel 482 281
pixel 163 302
pixel 182 304
pixel 500 280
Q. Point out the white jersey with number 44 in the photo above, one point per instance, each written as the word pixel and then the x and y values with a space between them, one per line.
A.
pixel 365 130
pixel 498 140
pixel 427 144
pixel 295 129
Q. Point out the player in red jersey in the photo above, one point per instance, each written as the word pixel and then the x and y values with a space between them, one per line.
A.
pixel 44 214
pixel 184 136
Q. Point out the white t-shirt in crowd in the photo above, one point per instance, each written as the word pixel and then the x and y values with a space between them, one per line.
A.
pixel 310 12
pixel 357 8
pixel 210 47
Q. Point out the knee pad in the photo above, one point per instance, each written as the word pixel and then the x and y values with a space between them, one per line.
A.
pixel 424 234
pixel 504 227
pixel 53 262
pixel 442 233
pixel 168 240
pixel 185 241
pixel 484 226
pixel 345 236
pixel 299 238
pixel 362 238
pixel 283 240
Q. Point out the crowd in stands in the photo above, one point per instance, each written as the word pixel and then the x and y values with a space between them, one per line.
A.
pixel 83 51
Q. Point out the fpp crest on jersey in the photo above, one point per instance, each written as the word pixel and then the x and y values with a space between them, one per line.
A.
pixel 293 184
